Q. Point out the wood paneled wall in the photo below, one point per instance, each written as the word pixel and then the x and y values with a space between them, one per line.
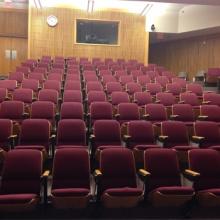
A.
pixel 13 23
pixel 191 55
pixel 13 36
pixel 59 40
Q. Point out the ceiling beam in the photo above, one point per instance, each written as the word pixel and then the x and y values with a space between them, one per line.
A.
pixel 192 2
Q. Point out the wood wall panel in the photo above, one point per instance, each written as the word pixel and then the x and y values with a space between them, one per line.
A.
pixel 14 23
pixel 189 55
pixel 60 40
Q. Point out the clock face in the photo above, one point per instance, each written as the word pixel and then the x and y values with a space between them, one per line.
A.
pixel 52 20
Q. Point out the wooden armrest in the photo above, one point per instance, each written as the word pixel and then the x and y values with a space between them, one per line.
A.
pixel 174 116
pixel 206 102
pixel 13 136
pixel 126 137
pixel 92 137
pixel 97 173
pixel 26 115
pixel 202 116
pixel 198 137
pixel 181 102
pixel 163 137
pixel 192 173
pixel 157 101
pixel 146 116
pixel 45 174
pixel 117 115
pixel 143 172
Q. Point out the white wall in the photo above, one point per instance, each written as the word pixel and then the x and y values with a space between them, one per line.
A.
pixel 188 18
pixel 198 17
pixel 166 23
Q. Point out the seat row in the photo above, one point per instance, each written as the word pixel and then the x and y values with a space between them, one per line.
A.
pixel 115 180
pixel 136 135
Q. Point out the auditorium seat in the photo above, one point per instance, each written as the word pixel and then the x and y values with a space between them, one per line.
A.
pixel 195 88
pixel 113 87
pixel 99 111
pixel 116 179
pixel 204 171
pixel 71 133
pixel 206 134
pixel 18 76
pixel 21 181
pixel 95 96
pixel 162 80
pixel 125 79
pixel 162 180
pixel 106 133
pixel 119 97
pixel 8 84
pixel 3 94
pixel 71 110
pixel 70 179
pixel 132 87
pixel 142 98
pixel 6 134
pixel 44 110
pixel 143 80
pixel 174 88
pixel 210 113
pixel 153 88
pixel 52 84
pixel 31 84
pixel 35 134
pixel 211 98
pixel 72 85
pixel 72 96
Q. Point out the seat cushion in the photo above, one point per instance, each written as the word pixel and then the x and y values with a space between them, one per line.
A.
pixel 175 190
pixel 125 191
pixel 71 146
pixel 70 192
pixel 109 146
pixel 16 198
pixel 148 146
pixel 215 191
pixel 35 147
pixel 184 148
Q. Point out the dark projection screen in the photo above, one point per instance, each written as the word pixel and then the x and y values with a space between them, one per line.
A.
pixel 97 32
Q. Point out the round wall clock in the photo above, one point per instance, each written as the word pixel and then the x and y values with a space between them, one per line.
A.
pixel 52 20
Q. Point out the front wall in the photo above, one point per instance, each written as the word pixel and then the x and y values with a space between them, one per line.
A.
pixel 59 40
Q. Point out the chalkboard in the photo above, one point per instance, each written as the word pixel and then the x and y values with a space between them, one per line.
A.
pixel 97 32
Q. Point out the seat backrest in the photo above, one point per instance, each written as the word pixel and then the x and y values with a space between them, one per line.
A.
pixel 12 109
pixel 96 96
pixel 101 110
pixel 107 130
pixel 176 131
pixel 128 111
pixel 142 98
pixel 212 111
pixel 118 168
pixel 153 88
pixel 30 84
pixel 71 132
pixel 71 168
pixel 6 130
pixel 3 94
pixel 173 88
pixel 195 88
pixel 52 84
pixel 71 110
pixel 21 172
pixel 42 109
pixel 141 131
pixel 24 95
pixel 48 95
pixel 30 134
pixel 72 96
pixel 119 97
pixel 189 98
pixel 209 130
pixel 207 163
pixel 165 98
pixel 156 112
pixel 164 168
pixel 212 97
pixel 184 112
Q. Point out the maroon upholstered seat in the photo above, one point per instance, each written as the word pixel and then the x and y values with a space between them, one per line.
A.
pixel 117 186
pixel 21 180
pixel 207 181
pixel 164 185
pixel 71 178
pixel 71 132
